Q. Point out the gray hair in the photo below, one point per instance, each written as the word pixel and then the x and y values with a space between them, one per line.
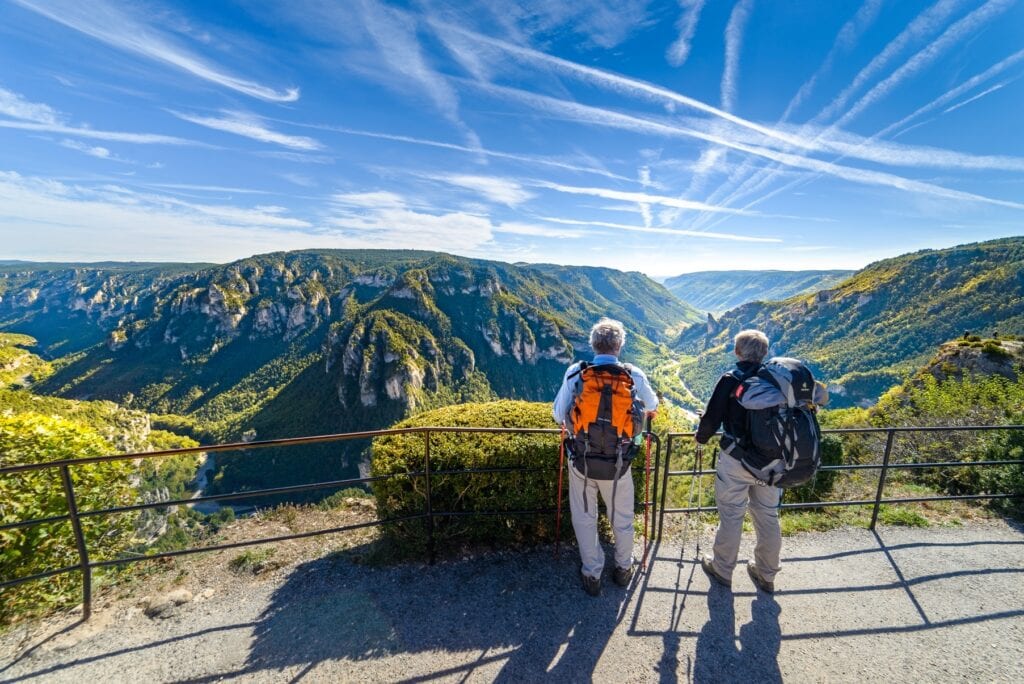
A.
pixel 608 336
pixel 751 345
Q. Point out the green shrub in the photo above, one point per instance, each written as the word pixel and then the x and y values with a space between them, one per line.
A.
pixel 994 349
pixel 462 493
pixel 337 500
pixel 32 438
pixel 254 561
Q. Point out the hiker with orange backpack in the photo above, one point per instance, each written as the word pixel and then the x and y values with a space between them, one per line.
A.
pixel 602 405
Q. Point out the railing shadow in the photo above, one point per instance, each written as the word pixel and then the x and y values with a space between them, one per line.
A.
pixel 530 621
pixel 751 654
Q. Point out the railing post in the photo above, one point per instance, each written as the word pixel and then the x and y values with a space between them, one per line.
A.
pixel 881 478
pixel 83 553
pixel 430 504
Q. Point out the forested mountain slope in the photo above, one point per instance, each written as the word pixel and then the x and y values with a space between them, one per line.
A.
pixel 308 342
pixel 719 291
pixel 870 331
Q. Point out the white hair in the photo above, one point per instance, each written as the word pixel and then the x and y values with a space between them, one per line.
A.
pixel 608 336
pixel 751 345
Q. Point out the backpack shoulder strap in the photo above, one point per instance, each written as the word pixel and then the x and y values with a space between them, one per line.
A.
pixel 583 366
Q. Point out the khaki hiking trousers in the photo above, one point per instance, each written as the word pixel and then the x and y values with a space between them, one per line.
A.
pixel 734 486
pixel 584 519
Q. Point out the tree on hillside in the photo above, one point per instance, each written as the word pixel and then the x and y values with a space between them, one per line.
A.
pixel 34 438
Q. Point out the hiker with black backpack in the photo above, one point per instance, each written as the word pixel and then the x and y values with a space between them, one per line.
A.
pixel 770 441
pixel 602 406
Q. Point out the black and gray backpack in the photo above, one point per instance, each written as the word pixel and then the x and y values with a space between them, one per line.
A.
pixel 782 447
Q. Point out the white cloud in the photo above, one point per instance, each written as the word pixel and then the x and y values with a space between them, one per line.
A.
pixel 987 91
pixel 924 25
pixel 45 219
pixel 602 117
pixel 112 136
pixel 615 82
pixel 17 107
pixel 516 228
pixel 954 35
pixel 524 158
pixel 380 199
pixel 956 92
pixel 92 151
pixel 401 228
pixel 110 24
pixel 679 50
pixel 733 42
pixel 733 237
pixel 250 126
pixel 637 197
pixel 501 190
pixel 394 33
pixel 848 36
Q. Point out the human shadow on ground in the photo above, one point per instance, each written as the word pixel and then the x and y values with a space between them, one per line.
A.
pixel 756 658
pixel 522 610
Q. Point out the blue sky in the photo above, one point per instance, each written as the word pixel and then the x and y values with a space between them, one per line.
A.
pixel 663 137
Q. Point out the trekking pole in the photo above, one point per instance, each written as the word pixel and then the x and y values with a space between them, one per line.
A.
pixel 647 493
pixel 700 490
pixel 699 461
pixel 558 508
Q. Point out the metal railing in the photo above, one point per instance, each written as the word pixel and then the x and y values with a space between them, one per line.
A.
pixel 654 501
pixel 429 514
pixel 884 467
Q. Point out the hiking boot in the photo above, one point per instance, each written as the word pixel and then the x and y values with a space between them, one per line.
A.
pixel 709 570
pixel 762 584
pixel 591 585
pixel 622 576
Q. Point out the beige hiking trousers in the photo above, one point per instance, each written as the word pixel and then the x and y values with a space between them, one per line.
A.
pixel 734 486
pixel 584 519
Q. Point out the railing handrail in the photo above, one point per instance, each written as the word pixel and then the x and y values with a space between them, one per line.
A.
pixel 281 442
pixel 86 566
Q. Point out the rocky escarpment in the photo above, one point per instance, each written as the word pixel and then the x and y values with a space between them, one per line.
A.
pixel 977 357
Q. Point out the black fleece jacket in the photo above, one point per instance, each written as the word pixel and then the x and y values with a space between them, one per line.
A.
pixel 723 410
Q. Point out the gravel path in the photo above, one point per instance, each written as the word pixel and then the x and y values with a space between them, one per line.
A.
pixel 938 604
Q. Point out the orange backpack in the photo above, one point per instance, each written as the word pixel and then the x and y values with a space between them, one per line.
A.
pixel 604 419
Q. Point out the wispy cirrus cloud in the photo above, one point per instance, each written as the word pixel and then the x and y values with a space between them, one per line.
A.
pixel 617 120
pixel 987 91
pixel 381 217
pixel 47 219
pixel 17 107
pixel 93 134
pixel 395 34
pixel 501 190
pixel 953 35
pixel 611 81
pixel 680 232
pixel 250 126
pixel 42 118
pixel 848 36
pixel 679 50
pixel 924 25
pixel 733 44
pixel 92 150
pixel 921 28
pixel 112 25
pixel 637 198
pixel 957 92
pixel 480 151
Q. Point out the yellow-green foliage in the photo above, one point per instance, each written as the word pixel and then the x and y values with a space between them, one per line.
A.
pixel 402 496
pixel 17 365
pixel 33 438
